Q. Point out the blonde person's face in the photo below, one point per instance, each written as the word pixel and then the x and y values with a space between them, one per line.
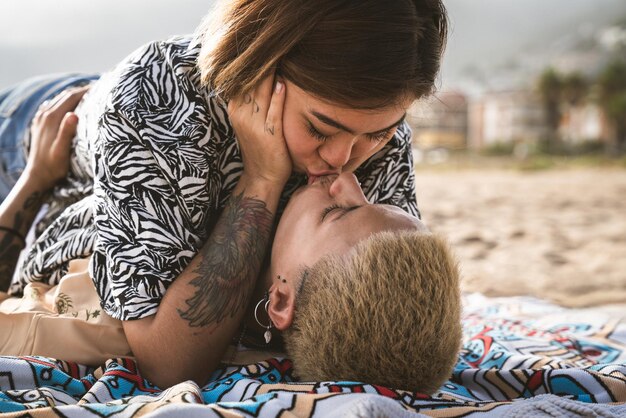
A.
pixel 323 138
pixel 330 216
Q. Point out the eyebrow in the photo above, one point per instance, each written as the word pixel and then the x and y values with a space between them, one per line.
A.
pixel 331 122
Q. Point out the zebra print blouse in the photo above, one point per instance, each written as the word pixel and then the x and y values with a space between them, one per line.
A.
pixel 155 161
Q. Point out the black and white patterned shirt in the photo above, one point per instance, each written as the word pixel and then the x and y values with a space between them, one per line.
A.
pixel 155 162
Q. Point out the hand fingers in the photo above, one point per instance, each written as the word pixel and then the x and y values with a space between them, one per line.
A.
pixel 67 131
pixel 65 102
pixel 235 105
pixel 68 100
pixel 252 108
pixel 262 95
pixel 60 148
pixel 264 89
pixel 274 119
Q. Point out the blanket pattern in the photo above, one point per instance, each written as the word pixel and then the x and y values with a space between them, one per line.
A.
pixel 520 356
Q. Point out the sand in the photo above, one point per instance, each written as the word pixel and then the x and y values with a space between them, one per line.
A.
pixel 558 235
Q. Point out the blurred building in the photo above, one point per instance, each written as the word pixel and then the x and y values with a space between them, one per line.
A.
pixel 585 122
pixel 450 121
pixel 440 121
pixel 505 117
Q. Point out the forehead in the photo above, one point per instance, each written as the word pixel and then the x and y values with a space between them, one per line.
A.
pixel 312 102
pixel 369 219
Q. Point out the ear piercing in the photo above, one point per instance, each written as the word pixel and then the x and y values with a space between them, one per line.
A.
pixel 266 302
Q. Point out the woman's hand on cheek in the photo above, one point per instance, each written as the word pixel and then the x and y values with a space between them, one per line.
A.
pixel 256 118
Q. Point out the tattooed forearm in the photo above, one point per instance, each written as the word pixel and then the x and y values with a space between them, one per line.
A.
pixel 33 203
pixel 10 247
pixel 230 262
pixel 15 222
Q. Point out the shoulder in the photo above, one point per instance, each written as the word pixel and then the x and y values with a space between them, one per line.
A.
pixel 403 137
pixel 388 177
pixel 157 91
pixel 399 148
pixel 155 75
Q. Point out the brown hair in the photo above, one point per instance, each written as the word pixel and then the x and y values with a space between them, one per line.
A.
pixel 388 315
pixel 357 53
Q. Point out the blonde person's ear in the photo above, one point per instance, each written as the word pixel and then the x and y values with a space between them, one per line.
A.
pixel 282 305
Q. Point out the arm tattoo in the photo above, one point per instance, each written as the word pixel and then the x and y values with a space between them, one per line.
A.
pixel 34 202
pixel 10 244
pixel 10 248
pixel 230 262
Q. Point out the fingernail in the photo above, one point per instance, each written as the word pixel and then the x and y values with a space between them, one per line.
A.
pixel 279 87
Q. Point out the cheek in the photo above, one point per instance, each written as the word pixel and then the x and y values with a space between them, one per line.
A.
pixel 291 245
pixel 362 152
pixel 302 148
pixel 365 148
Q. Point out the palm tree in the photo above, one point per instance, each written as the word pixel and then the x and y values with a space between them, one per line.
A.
pixel 574 88
pixel 612 99
pixel 550 88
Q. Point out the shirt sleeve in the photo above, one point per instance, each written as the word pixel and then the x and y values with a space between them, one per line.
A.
pixel 143 239
pixel 152 170
pixel 388 177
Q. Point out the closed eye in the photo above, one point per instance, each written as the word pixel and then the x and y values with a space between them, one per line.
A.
pixel 316 134
pixel 329 209
pixel 375 137
pixel 335 207
pixel 379 136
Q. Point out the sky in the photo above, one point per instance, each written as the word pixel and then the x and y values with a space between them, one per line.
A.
pixel 43 36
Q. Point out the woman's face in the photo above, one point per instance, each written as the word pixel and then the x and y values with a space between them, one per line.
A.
pixel 323 138
pixel 330 216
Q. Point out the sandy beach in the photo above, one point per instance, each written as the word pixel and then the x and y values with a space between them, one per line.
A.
pixel 559 235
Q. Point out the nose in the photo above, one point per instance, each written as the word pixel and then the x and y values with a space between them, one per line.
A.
pixel 337 152
pixel 347 190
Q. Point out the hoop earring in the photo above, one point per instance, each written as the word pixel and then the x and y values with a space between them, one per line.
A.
pixel 266 302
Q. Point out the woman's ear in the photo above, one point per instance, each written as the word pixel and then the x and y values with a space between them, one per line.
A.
pixel 282 305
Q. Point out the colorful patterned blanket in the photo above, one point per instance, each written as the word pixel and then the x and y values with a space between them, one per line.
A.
pixel 520 357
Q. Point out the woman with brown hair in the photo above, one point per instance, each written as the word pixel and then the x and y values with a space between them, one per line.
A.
pixel 186 152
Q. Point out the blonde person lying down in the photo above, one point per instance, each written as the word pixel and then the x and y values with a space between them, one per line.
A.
pixel 356 291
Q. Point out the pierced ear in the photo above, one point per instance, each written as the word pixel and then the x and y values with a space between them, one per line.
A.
pixel 282 305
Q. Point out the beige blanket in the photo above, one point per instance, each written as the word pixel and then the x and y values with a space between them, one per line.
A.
pixel 64 321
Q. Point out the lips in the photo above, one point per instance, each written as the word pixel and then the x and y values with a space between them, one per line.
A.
pixel 312 178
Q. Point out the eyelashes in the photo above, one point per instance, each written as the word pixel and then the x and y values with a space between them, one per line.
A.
pixel 333 207
pixel 315 133
pixel 377 137
pixel 329 209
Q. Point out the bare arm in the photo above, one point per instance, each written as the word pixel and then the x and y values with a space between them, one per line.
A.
pixel 52 132
pixel 16 215
pixel 203 308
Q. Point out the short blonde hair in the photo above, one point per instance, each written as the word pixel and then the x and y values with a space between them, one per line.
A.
pixel 388 314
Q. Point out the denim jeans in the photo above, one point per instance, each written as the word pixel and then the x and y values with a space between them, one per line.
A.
pixel 18 105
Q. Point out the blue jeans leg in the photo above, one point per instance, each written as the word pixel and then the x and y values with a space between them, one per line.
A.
pixel 18 105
